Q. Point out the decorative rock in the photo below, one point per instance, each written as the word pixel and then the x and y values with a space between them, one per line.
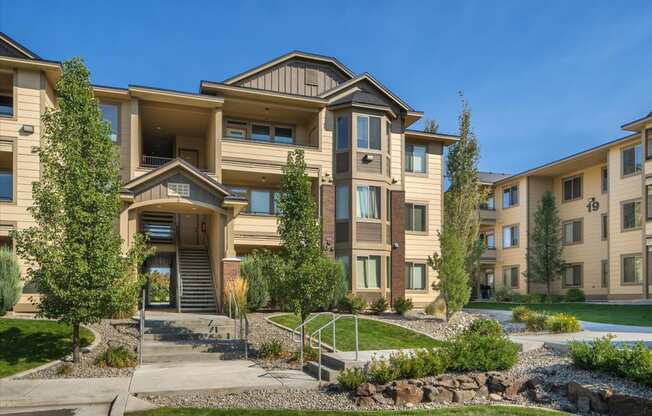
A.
pixel 366 390
pixel 461 396
pixel 596 397
pixel 445 381
pixel 534 382
pixel 482 391
pixel 381 399
pixel 469 386
pixel 437 394
pixel 495 397
pixel 481 379
pixel 583 404
pixel 624 405
pixel 407 393
pixel 464 379
pixel 364 401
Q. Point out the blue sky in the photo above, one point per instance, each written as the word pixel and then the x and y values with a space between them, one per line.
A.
pixel 544 78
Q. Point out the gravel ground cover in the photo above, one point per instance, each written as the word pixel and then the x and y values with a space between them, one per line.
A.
pixel 113 332
pixel 551 366
pixel 436 328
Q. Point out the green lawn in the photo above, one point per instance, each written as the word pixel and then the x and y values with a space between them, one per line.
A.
pixel 28 343
pixel 638 315
pixel 373 335
pixel 454 411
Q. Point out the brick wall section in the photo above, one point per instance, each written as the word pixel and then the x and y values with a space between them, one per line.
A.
pixel 328 218
pixel 398 238
pixel 230 269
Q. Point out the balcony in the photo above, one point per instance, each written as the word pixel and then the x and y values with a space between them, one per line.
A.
pixel 487 215
pixel 488 255
pixel 153 162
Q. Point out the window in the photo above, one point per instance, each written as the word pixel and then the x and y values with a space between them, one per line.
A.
pixel 7 243
pixel 415 158
pixel 6 94
pixel 178 189
pixel 510 236
pixel 631 160
pixel 260 133
pixel 605 180
pixel 510 276
pixel 368 132
pixel 489 240
pixel 632 266
pixel 368 202
pixel 510 196
pixel 261 201
pixel 368 272
pixel 605 274
pixel 415 217
pixel 573 275
pixel 605 226
pixel 346 261
pixel 158 226
pixel 489 203
pixel 341 202
pixel 648 143
pixel 572 232
pixel 415 275
pixel 342 133
pixel 631 215
pixel 110 114
pixel 6 171
pixel 236 129
pixel 648 203
pixel 283 135
pixel 572 188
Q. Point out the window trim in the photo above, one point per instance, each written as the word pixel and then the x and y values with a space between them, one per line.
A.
pixel 648 206
pixel 648 137
pixel 247 126
pixel 604 266
pixel 419 203
pixel 14 166
pixel 347 119
pixel 369 149
pixel 14 227
pixel 518 279
pixel 518 231
pixel 622 269
pixel 602 187
pixel 118 129
pixel 14 92
pixel 380 273
pixel 573 243
pixel 604 216
pixel 408 277
pixel 502 199
pixel 563 278
pixel 248 190
pixel 571 178
pixel 380 203
pixel 412 172
pixel 622 216
pixel 622 165
pixel 348 202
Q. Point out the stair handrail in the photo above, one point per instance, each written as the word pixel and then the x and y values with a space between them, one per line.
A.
pixel 141 325
pixel 301 333
pixel 178 271
pixel 319 343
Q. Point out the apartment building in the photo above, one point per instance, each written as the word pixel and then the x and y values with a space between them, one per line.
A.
pixel 202 171
pixel 604 198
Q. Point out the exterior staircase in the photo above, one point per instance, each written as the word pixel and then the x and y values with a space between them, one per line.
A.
pixel 196 278
pixel 191 338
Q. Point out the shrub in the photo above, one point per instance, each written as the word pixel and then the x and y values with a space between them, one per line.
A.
pixel 575 295
pixel 402 305
pixel 64 369
pixel 520 314
pixel 406 365
pixel 253 270
pixel 536 321
pixel 379 306
pixel 435 308
pixel 503 294
pixel 117 357
pixel 432 362
pixel 563 323
pixel 631 362
pixel 485 327
pixel 351 378
pixel 337 271
pixel 471 351
pixel 535 298
pixel 236 291
pixel 381 371
pixel 352 303
pixel 309 354
pixel 9 280
pixel 270 349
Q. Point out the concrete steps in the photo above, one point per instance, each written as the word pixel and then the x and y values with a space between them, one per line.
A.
pixel 327 373
pixel 197 293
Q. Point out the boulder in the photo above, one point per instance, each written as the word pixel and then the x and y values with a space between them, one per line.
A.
pixel 405 393
pixel 495 397
pixel 461 396
pixel 583 404
pixel 625 405
pixel 445 381
pixel 596 397
pixel 364 401
pixel 437 394
pixel 500 383
pixel 469 386
pixel 482 391
pixel 481 379
pixel 381 399
pixel 366 390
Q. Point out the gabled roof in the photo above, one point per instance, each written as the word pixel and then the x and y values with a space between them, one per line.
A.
pixel 9 45
pixel 489 178
pixel 294 54
pixel 446 139
pixel 637 124
pixel 360 97
pixel 368 77
pixel 184 166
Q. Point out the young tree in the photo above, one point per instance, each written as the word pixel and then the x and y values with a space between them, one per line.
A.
pixel 461 220
pixel 74 251
pixel 9 280
pixel 430 125
pixel 310 280
pixel 545 264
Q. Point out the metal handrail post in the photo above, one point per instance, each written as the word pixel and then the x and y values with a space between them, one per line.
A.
pixel 334 348
pixel 319 371
pixel 142 327
pixel 356 338
pixel 301 344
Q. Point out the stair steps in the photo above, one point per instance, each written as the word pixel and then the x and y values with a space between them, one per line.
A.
pixel 197 293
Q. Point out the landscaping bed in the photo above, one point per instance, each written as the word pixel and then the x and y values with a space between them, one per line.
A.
pixel 115 332
pixel 29 343
pixel 637 315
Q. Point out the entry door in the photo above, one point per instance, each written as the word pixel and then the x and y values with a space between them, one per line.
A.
pixel 188 229
pixel 190 156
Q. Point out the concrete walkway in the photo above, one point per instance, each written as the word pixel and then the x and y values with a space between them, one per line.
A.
pixel 113 396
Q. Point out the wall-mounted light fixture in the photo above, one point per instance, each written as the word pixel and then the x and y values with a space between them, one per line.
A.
pixel 368 158
pixel 27 129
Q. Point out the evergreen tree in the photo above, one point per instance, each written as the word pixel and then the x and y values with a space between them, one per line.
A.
pixel 9 280
pixel 74 251
pixel 460 236
pixel 545 264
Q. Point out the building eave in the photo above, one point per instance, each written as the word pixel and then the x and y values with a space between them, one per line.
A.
pixel 446 139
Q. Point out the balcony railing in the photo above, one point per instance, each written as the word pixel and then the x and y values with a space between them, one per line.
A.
pixel 154 161
pixel 489 254
pixel 273 141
